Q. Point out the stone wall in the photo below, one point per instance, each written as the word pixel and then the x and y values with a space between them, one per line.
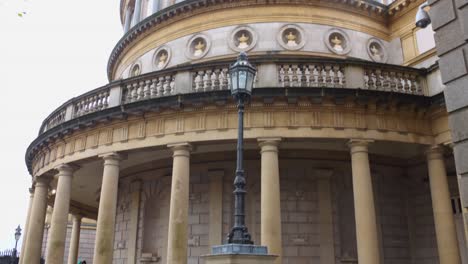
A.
pixel 87 241
pixel 402 197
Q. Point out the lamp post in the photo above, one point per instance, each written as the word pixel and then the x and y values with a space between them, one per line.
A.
pixel 242 75
pixel 17 237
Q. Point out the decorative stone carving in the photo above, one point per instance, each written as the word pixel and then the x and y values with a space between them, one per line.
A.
pixel 135 70
pixel 376 50
pixel 291 37
pixel 162 57
pixel 198 46
pixel 337 41
pixel 243 38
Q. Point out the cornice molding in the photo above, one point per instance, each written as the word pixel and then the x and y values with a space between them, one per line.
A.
pixel 298 103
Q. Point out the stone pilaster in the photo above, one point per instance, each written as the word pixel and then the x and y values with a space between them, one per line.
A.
pixel 216 207
pixel 59 221
pixel 26 226
pixel 75 240
pixel 364 206
pixel 135 193
pixel 270 197
pixel 325 221
pixel 178 215
pixel 33 247
pixel 104 247
pixel 447 243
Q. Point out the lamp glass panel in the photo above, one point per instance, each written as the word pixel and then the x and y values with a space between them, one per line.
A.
pixel 250 80
pixel 242 80
pixel 234 85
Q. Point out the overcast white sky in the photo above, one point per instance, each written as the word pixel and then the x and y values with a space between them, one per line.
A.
pixel 57 50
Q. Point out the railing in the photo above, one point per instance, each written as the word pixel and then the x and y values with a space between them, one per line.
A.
pixel 211 79
pixel 147 88
pixel 392 81
pixel 203 78
pixel 96 101
pixel 311 75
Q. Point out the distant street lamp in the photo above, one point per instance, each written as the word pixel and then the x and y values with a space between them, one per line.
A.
pixel 17 237
pixel 242 75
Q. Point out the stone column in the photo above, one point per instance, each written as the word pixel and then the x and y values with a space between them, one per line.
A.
pixel 366 224
pixel 104 247
pixel 128 19
pixel 26 226
pixel 59 222
pixel 447 243
pixel 178 215
pixel 75 240
pixel 33 247
pixel 136 13
pixel 270 228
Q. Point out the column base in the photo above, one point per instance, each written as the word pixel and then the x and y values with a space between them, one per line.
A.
pixel 239 254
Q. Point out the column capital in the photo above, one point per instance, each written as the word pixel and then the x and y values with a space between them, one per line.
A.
pixel 112 158
pixel 359 145
pixel 66 169
pixel 42 181
pixel 78 217
pixel 269 144
pixel 435 152
pixel 180 149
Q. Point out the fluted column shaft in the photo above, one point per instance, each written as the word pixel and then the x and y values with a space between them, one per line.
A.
pixel 59 221
pixel 33 247
pixel 128 19
pixel 104 247
pixel 136 12
pixel 447 243
pixel 75 240
pixel 155 6
pixel 270 197
pixel 366 223
pixel 26 226
pixel 178 215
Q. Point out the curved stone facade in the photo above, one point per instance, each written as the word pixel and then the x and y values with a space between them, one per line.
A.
pixel 347 143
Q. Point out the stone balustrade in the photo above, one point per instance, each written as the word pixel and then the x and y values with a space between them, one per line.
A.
pixel 211 79
pixel 392 81
pixel 96 101
pixel 313 73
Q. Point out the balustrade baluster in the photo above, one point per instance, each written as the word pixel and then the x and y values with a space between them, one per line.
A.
pixel 153 90
pixel 282 76
pixel 160 86
pixel 147 91
pixel 215 80
pixel 167 85
pixel 307 75
pixel 290 76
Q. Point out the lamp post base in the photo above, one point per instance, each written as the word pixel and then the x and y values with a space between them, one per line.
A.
pixel 239 254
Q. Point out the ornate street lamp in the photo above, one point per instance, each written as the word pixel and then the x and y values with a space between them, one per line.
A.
pixel 17 237
pixel 242 75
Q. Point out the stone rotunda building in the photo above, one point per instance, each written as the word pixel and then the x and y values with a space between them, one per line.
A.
pixel 348 156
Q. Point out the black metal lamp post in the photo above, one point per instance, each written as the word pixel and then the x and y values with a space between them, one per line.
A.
pixel 242 75
pixel 17 237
